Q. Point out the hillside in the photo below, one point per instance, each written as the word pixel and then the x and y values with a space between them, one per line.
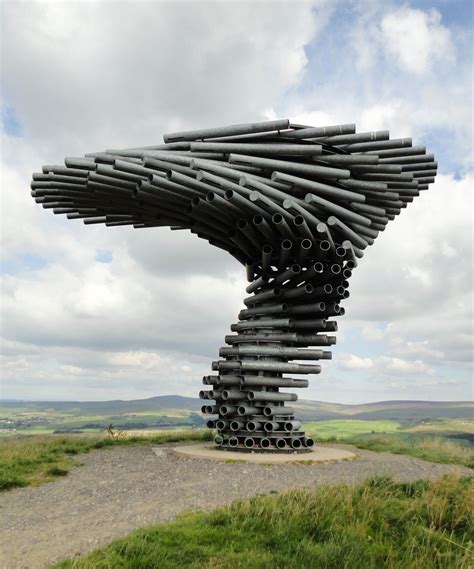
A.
pixel 176 405
pixel 118 406
pixel 394 410
pixel 175 411
pixel 46 417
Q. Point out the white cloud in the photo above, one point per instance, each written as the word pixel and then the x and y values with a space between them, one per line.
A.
pixel 62 372
pixel 92 75
pixel 372 332
pixel 406 367
pixel 364 34
pixel 416 39
pixel 383 365
pixel 314 118
pixel 83 77
pixel 394 115
pixel 412 253
pixel 139 325
pixel 418 278
pixel 351 361
pixel 413 40
pixel 367 79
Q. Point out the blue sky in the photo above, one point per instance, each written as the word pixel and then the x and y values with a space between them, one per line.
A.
pixel 10 123
pixel 92 313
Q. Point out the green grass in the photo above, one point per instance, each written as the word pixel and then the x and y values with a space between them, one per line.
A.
pixel 435 449
pixel 443 426
pixel 377 525
pixel 37 459
pixel 426 440
pixel 348 428
pixel 28 419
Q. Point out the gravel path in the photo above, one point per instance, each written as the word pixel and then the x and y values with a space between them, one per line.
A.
pixel 124 488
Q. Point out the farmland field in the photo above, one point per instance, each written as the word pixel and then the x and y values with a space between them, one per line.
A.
pixel 348 428
pixel 439 432
pixel 444 426
pixel 342 429
pixel 323 421
pixel 46 418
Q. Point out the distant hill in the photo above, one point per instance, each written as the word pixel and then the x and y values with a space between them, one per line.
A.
pixel 115 407
pixel 395 410
pixel 306 409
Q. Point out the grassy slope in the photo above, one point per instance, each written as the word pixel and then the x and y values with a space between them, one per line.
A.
pixel 100 408
pixel 435 449
pixel 377 525
pixel 385 410
pixel 444 426
pixel 34 460
pixel 46 422
pixel 73 413
pixel 348 428
pixel 37 459
pixel 42 417
pixel 424 441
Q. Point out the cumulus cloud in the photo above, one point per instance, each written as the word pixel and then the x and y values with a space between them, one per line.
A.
pixel 96 313
pixel 399 67
pixel 409 39
pixel 58 373
pixel 371 331
pixel 416 39
pixel 89 74
pixel 384 365
pixel 351 361
pixel 418 278
pixel 406 367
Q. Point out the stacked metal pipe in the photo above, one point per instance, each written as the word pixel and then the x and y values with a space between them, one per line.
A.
pixel 296 205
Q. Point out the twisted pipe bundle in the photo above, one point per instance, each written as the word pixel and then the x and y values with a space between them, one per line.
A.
pixel 296 205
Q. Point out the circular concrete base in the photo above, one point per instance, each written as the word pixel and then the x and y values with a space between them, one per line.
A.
pixel 316 454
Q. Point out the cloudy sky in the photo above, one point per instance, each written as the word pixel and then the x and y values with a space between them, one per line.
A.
pixel 92 313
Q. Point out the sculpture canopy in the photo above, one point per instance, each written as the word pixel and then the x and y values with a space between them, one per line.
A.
pixel 296 204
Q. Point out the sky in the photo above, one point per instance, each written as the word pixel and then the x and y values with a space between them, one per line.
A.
pixel 95 313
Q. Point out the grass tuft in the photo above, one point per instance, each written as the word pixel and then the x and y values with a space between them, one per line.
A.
pixel 56 471
pixel 434 449
pixel 379 524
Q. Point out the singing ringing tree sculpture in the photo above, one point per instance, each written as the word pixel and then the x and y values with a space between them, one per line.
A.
pixel 297 205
